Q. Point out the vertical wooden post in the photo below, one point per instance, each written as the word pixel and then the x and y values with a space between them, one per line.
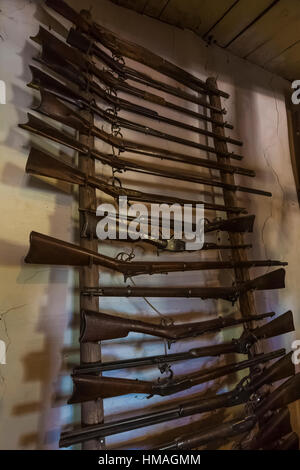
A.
pixel 91 412
pixel 247 303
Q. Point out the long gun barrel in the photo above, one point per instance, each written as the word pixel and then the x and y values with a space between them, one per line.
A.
pixel 286 393
pixel 44 164
pixel 90 387
pixel 240 224
pixel 38 127
pixel 137 127
pixel 281 325
pixel 61 56
pixel 83 44
pixel 235 224
pixel 97 326
pixel 272 280
pixel 52 107
pixel 223 431
pixel 63 60
pixel 240 394
pixel 131 50
pixel 50 250
pixel 275 427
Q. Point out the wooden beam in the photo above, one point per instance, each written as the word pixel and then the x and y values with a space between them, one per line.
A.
pixel 246 300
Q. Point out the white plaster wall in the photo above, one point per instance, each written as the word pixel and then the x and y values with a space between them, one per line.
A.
pixel 37 302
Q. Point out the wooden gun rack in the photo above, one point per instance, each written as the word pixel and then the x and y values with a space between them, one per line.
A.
pixel 92 412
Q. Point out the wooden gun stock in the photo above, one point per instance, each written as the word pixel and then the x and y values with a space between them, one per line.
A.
pixel 90 387
pixel 101 326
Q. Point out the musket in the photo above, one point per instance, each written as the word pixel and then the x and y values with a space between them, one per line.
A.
pixel 85 45
pixel 91 387
pixel 286 393
pixel 45 164
pixel 60 58
pixel 89 229
pixel 236 224
pixel 50 250
pixel 278 425
pixel 51 88
pixel 240 394
pixel 223 431
pixel 121 47
pixel 242 224
pixel 51 107
pixel 43 129
pixel 269 436
pixel 99 326
pixel 74 119
pixel 281 325
pixel 272 280
pixel 118 121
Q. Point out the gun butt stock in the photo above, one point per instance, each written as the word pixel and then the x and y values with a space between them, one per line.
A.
pixel 91 387
pixel 281 325
pixel 286 393
pixel 273 429
pixel 272 280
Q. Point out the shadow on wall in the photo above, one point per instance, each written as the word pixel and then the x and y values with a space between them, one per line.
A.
pixel 41 367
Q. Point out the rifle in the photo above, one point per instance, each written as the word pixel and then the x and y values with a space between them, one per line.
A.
pixel 50 106
pixel 91 387
pixel 98 326
pixel 44 164
pixel 83 44
pixel 240 394
pixel 119 121
pixel 50 250
pixel 43 129
pixel 241 224
pixel 272 280
pixel 172 245
pixel 223 431
pixel 38 127
pixel 274 428
pixel 281 325
pixel 120 47
pixel 62 59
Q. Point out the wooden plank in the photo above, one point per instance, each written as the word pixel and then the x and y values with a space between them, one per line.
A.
pixel 278 17
pixel 287 64
pixel 136 5
pixel 246 300
pixel 154 8
pixel 281 41
pixel 238 18
pixel 91 412
pixel 195 15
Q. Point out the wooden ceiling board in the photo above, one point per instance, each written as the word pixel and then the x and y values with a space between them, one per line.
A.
pixel 265 32
pixel 287 64
pixel 278 17
pixel 281 41
pixel 136 5
pixel 199 16
pixel 241 15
